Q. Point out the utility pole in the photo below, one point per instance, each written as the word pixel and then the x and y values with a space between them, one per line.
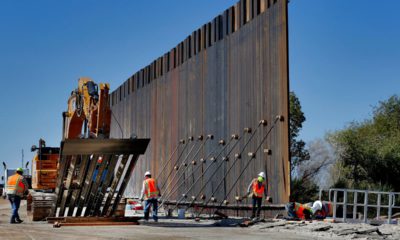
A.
pixel 22 151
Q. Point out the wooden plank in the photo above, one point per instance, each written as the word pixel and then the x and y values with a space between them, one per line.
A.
pixel 57 225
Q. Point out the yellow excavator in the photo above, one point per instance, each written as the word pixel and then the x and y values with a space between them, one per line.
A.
pixel 88 116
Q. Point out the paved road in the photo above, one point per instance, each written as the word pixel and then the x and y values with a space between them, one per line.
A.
pixel 165 230
pixel 169 229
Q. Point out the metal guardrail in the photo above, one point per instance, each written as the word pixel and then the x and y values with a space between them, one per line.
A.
pixel 378 195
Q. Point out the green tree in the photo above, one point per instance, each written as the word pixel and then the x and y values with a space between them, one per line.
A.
pixel 369 151
pixel 298 152
pixel 303 189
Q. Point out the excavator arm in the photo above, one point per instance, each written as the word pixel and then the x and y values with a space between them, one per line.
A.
pixel 88 114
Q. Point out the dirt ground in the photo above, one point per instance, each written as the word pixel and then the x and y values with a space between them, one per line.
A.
pixel 182 229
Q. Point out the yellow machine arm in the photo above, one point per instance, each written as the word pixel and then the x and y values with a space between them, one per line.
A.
pixel 89 113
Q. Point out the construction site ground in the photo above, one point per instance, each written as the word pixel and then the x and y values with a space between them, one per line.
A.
pixel 189 229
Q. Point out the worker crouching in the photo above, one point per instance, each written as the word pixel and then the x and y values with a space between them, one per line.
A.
pixel 319 210
pixel 150 194
pixel 17 189
pixel 297 211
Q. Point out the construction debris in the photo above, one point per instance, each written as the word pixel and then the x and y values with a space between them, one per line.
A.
pixel 92 221
pixel 327 230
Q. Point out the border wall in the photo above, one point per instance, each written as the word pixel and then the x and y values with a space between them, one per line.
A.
pixel 225 76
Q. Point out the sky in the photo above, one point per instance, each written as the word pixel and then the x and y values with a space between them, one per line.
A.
pixel 344 57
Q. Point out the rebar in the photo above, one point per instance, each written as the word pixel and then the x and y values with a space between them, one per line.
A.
pixel 185 164
pixel 182 141
pixel 177 166
pixel 246 130
pixel 237 157
pixel 203 160
pixel 252 156
pixel 190 139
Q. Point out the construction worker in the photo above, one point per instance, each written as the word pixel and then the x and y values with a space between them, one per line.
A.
pixel 297 210
pixel 150 194
pixel 256 189
pixel 322 209
pixel 17 188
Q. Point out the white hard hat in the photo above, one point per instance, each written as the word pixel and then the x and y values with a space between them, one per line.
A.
pixel 316 206
pixel 147 173
pixel 262 174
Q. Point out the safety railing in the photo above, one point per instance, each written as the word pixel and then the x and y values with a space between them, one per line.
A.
pixel 365 199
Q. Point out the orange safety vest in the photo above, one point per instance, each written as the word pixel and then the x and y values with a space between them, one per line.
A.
pixel 258 191
pixel 299 210
pixel 151 190
pixel 327 207
pixel 15 185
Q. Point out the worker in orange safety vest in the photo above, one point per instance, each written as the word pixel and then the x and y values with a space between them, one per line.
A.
pixel 256 189
pixel 322 209
pixel 150 194
pixel 17 188
pixel 298 211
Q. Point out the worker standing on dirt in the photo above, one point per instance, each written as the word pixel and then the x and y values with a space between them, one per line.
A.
pixel 17 188
pixel 256 190
pixel 150 194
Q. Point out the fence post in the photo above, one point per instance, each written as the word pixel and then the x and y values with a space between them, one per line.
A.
pixel 365 206
pixel 344 205
pixel 378 209
pixel 334 204
pixel 355 205
pixel 391 195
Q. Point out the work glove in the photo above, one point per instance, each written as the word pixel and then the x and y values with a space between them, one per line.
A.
pixel 307 214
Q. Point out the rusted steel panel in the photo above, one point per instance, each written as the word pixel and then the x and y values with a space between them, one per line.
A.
pixel 236 76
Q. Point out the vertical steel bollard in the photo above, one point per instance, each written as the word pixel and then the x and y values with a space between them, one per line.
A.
pixel 355 205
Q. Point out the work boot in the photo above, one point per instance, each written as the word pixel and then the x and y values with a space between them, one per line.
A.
pixel 18 220
pixel 146 216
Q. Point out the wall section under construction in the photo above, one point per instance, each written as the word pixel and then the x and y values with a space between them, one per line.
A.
pixel 224 77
